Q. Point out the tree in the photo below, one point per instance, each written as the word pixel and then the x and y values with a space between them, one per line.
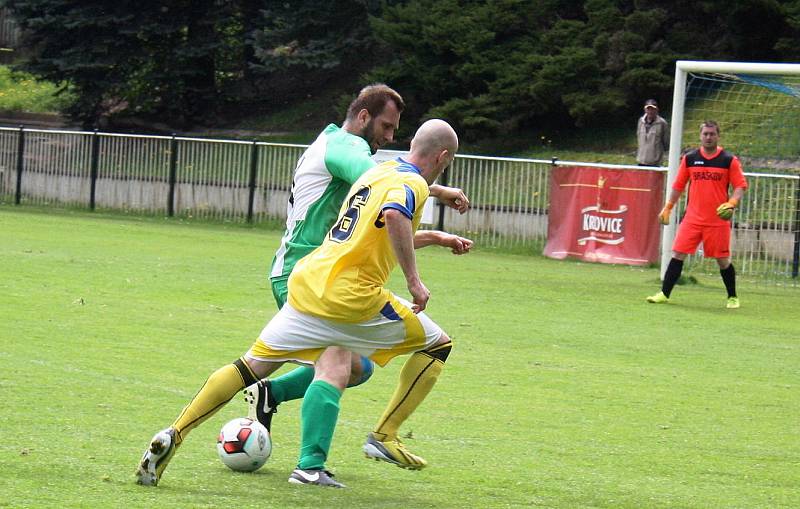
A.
pixel 302 48
pixel 498 67
pixel 146 58
pixel 491 68
pixel 77 43
pixel 494 68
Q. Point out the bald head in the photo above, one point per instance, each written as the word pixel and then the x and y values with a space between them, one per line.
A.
pixel 434 135
pixel 433 148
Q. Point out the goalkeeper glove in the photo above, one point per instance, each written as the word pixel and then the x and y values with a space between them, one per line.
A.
pixel 663 216
pixel 725 211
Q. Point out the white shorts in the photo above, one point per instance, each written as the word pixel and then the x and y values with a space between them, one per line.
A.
pixel 300 337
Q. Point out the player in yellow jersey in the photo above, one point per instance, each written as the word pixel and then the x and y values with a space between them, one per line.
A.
pixel 343 279
pixel 394 330
pixel 320 183
pixel 338 303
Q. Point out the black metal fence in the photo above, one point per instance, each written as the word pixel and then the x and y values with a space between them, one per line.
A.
pixel 248 181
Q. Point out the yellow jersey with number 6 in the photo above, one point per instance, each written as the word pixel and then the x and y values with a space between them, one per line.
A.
pixel 343 279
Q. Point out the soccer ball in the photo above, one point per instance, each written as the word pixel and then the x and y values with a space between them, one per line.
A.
pixel 244 445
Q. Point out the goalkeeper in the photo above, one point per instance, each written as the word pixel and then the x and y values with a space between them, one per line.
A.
pixel 708 211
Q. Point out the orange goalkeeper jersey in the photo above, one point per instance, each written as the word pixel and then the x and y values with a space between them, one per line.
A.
pixel 710 177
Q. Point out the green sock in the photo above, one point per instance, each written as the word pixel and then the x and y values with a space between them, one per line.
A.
pixel 319 414
pixel 292 385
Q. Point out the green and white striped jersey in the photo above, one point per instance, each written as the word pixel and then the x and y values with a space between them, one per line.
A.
pixel 323 176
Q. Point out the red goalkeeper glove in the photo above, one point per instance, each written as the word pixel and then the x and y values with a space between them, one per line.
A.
pixel 663 216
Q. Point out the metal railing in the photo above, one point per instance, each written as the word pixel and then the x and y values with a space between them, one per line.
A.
pixel 247 181
pixel 169 175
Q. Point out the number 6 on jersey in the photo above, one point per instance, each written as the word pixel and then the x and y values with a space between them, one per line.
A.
pixel 343 229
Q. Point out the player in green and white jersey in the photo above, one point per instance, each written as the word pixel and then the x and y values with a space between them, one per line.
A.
pixel 322 179
pixel 319 186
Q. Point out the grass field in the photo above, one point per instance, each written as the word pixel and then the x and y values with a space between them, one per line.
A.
pixel 565 389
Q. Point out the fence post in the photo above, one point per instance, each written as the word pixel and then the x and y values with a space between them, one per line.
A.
pixel 20 164
pixel 443 181
pixel 94 164
pixel 796 254
pixel 173 171
pixel 252 183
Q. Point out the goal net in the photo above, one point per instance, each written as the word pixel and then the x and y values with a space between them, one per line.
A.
pixel 758 109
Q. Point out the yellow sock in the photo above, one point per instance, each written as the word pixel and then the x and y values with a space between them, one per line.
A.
pixel 417 378
pixel 220 387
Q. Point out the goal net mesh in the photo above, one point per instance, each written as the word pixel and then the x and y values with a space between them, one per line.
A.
pixel 759 118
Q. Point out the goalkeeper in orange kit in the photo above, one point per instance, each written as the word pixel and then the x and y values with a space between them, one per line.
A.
pixel 708 212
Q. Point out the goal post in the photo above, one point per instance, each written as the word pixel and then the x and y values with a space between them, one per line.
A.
pixel 725 84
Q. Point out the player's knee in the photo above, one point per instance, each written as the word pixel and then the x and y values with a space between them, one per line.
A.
pixel 440 351
pixel 361 370
pixel 246 370
pixel 253 370
pixel 333 367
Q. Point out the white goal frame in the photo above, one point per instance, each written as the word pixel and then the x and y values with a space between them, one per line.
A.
pixel 682 69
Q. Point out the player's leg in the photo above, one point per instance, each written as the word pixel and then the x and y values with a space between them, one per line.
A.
pixel 673 272
pixel 417 377
pixel 686 242
pixel 319 414
pixel 217 390
pixel 264 396
pixel 301 337
pixel 717 243
pixel 728 274
pixel 268 394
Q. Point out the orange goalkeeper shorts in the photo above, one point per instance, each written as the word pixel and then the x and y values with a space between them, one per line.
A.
pixel 716 240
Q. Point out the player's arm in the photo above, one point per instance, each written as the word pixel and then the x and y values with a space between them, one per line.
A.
pixel 348 163
pixel 672 199
pixel 725 209
pixel 401 236
pixel 739 183
pixel 453 197
pixel 458 245
pixel 675 192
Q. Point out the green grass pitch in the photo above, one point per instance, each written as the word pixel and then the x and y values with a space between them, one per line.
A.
pixel 564 389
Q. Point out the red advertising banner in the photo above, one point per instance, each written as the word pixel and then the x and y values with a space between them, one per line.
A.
pixel 604 215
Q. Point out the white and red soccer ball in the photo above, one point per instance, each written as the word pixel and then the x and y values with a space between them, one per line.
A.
pixel 244 445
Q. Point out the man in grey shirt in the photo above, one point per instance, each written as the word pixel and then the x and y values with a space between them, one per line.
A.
pixel 652 134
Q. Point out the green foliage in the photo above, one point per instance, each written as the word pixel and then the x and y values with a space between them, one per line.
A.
pixel 303 49
pixel 492 68
pixel 78 44
pixel 20 91
pixel 511 65
pixel 310 35
pixel 787 46
pixel 592 397
pixel 151 59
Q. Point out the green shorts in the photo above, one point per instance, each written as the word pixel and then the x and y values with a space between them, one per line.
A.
pixel 280 290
